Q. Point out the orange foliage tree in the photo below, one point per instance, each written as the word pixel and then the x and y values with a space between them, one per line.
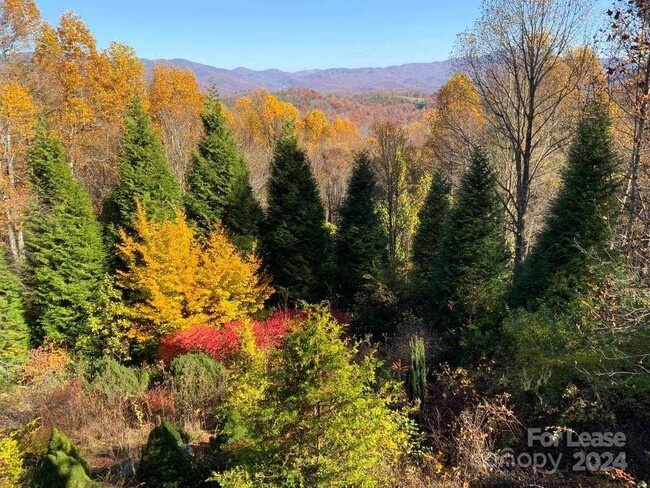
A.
pixel 179 280
pixel 19 21
pixel 330 147
pixel 85 93
pixel 176 106
pixel 17 127
pixel 455 126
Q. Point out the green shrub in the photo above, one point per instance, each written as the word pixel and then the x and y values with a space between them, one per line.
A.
pixel 197 381
pixel 62 466
pixel 116 381
pixel 314 415
pixel 166 464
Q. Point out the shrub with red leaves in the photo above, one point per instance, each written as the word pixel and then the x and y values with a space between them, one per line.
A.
pixel 225 342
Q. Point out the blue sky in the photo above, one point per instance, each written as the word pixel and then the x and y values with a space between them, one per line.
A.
pixel 286 34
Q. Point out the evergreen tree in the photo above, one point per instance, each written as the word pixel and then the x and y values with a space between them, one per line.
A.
pixel 427 238
pixel 471 270
pixel 146 176
pixel 14 334
pixel 577 233
pixel 362 243
pixel 302 422
pixel 295 244
pixel 243 215
pixel 416 384
pixel 166 464
pixel 62 466
pixel 65 255
pixel 218 186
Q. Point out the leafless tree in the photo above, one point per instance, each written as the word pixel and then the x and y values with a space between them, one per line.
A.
pixel 523 58
pixel 628 36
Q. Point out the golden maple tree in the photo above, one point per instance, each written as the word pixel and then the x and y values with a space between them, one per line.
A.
pixel 257 121
pixel 179 280
pixel 455 126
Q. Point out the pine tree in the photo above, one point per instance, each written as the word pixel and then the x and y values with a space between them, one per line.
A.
pixel 14 334
pixel 577 233
pixel 362 243
pixel 218 186
pixel 471 269
pixel 427 238
pixel 65 255
pixel 295 244
pixel 146 177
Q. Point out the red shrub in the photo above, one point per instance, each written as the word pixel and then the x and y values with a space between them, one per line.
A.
pixel 225 342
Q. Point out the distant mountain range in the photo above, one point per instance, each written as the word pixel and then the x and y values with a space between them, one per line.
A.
pixel 414 77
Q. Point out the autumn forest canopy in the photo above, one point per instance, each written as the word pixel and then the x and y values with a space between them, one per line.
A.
pixel 295 289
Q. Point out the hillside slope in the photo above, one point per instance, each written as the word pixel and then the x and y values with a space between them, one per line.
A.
pixel 415 77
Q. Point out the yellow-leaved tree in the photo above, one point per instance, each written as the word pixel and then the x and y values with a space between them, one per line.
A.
pixel 84 93
pixel 176 107
pixel 17 127
pixel 178 279
pixel 330 147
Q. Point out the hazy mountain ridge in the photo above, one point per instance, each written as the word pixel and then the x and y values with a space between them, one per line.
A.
pixel 413 77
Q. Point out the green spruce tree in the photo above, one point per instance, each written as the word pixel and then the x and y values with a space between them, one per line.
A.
pixel 295 244
pixel 243 215
pixel 577 234
pixel 146 177
pixel 14 334
pixel 62 466
pixel 362 242
pixel 218 186
pixel 428 235
pixel 472 265
pixel 65 255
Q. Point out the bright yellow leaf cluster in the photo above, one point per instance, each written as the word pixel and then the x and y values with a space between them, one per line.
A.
pixel 179 280
pixel 176 107
pixel 259 117
pixel 11 463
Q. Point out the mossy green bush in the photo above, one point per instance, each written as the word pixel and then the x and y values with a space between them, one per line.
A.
pixel 116 381
pixel 165 463
pixel 62 466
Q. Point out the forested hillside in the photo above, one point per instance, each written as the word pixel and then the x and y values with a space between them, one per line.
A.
pixel 407 77
pixel 304 289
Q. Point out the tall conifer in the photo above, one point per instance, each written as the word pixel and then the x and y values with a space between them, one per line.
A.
pixel 471 270
pixel 295 244
pixel 428 236
pixel 65 255
pixel 218 186
pixel 14 335
pixel 577 234
pixel 362 243
pixel 146 177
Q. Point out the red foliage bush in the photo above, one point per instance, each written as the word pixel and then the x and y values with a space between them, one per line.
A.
pixel 225 342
